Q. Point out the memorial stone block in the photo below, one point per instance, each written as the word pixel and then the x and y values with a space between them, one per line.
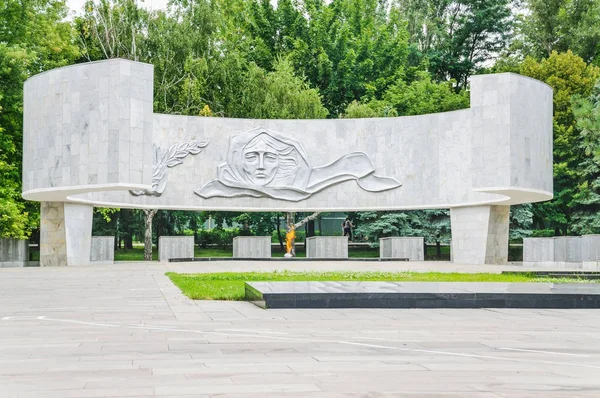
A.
pixel 14 253
pixel 590 252
pixel 327 247
pixel 103 249
pixel 175 247
pixel 411 248
pixel 252 247
pixel 538 249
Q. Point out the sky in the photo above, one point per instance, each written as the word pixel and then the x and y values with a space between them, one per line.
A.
pixel 77 5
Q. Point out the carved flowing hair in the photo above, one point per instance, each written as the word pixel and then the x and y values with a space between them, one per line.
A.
pixel 293 169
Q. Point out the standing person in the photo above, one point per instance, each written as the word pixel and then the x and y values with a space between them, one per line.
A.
pixel 347 226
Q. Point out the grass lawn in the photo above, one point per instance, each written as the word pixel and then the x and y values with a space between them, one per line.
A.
pixel 137 253
pixel 230 286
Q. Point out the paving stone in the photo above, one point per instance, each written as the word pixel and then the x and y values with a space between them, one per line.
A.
pixel 116 331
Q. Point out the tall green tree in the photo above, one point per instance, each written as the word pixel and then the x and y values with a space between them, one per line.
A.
pixel 456 37
pixel 568 75
pixel 34 37
pixel 586 217
pixel 560 25
pixel 418 97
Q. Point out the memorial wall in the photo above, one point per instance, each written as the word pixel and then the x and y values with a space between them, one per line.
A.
pixel 91 138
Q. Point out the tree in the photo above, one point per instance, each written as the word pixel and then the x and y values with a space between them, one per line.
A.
pixel 586 217
pixel 521 221
pixel 560 25
pixel 149 215
pixel 456 37
pixel 34 37
pixel 421 96
pixel 568 75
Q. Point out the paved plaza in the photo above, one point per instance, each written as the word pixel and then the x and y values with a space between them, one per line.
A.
pixel 125 330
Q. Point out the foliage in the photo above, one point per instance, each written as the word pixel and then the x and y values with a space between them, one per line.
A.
pixel 420 96
pixel 560 25
pixel 433 225
pixel 457 37
pixel 586 217
pixel 568 75
pixel 542 233
pixel 521 221
pixel 33 37
pixel 14 218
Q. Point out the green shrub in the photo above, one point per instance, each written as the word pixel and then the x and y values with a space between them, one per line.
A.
pixel 542 233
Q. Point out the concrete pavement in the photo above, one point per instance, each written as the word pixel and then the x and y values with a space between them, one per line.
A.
pixel 126 330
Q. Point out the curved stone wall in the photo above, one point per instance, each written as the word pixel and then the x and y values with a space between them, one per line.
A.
pixel 90 137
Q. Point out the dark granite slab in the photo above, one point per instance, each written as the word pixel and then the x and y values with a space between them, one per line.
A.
pixel 422 295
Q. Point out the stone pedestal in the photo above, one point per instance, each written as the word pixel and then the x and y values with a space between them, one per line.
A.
pixel 567 249
pixel 538 250
pixel 252 247
pixel 590 252
pixel 571 252
pixel 14 253
pixel 65 234
pixel 103 250
pixel 175 247
pixel 327 247
pixel 480 234
pixel 411 248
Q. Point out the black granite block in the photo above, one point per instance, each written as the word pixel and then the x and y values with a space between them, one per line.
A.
pixel 320 302
pixel 423 295
pixel 344 302
pixel 587 302
pixel 279 303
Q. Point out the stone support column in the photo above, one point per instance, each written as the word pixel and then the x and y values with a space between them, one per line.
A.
pixel 480 234
pixel 65 234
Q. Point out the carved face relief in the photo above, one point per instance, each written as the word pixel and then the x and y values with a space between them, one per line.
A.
pixel 266 164
pixel 260 163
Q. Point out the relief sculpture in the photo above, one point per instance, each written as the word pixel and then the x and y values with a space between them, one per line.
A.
pixel 262 163
pixel 167 159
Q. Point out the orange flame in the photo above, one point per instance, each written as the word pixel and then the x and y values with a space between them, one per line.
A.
pixel 289 238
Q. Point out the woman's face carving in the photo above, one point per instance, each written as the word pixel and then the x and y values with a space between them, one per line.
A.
pixel 260 163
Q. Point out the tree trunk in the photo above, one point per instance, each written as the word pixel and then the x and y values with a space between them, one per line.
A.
pixel 291 231
pixel 128 241
pixel 310 228
pixel 278 226
pixel 319 220
pixel 148 234
pixel 438 250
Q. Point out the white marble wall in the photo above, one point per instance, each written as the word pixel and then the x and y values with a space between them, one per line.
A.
pixel 327 247
pixel 103 250
pixel 14 253
pixel 86 127
pixel 538 250
pixel 571 252
pixel 480 234
pixel 411 248
pixel 175 247
pixel 89 133
pixel 590 251
pixel 65 234
pixel 78 230
pixel 252 247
